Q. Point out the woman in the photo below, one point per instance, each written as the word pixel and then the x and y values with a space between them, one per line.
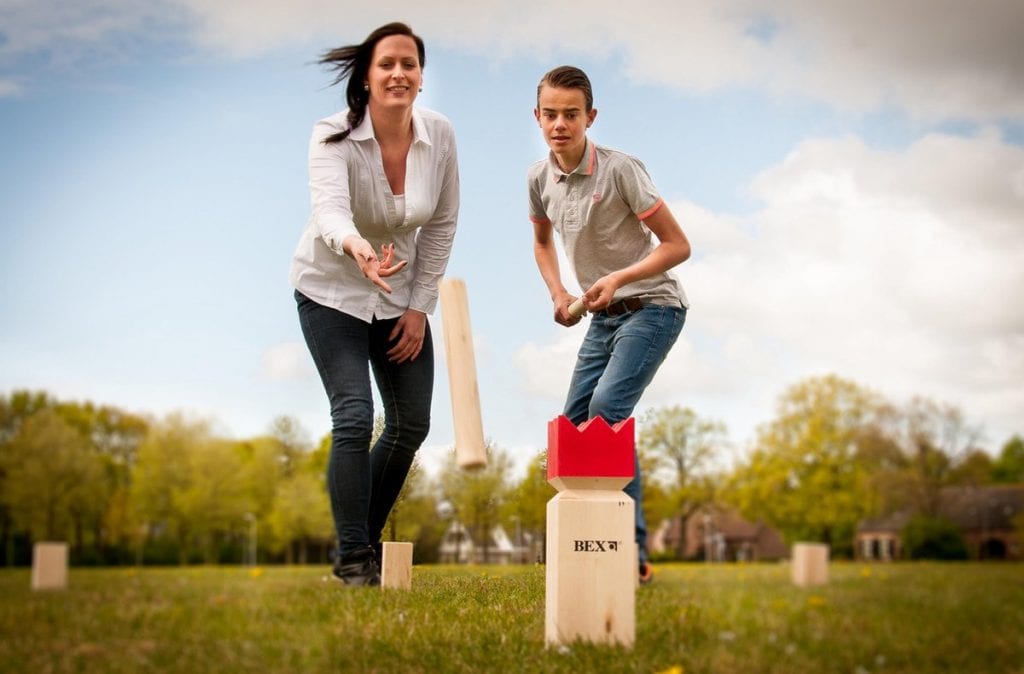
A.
pixel 383 176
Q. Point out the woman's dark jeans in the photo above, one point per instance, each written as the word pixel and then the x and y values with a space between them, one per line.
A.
pixel 363 483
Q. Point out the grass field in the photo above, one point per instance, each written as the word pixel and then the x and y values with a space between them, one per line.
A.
pixel 961 618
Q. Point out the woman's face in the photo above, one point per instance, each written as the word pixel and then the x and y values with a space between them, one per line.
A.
pixel 394 76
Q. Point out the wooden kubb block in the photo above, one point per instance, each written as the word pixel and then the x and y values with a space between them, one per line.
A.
pixel 396 566
pixel 810 564
pixel 591 557
pixel 590 585
pixel 49 566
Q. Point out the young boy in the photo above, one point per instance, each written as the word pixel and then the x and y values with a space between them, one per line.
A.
pixel 608 214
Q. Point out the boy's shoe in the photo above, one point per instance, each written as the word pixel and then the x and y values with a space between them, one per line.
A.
pixel 357 568
pixel 646 573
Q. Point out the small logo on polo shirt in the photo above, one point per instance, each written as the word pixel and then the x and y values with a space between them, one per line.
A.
pixel 597 197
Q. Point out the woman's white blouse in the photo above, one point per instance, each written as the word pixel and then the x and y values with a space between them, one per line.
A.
pixel 350 194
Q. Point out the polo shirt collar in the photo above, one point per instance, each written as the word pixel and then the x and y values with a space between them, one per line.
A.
pixel 585 167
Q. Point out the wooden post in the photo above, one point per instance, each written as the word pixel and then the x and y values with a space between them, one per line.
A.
pixel 591 574
pixel 49 566
pixel 470 450
pixel 396 566
pixel 810 564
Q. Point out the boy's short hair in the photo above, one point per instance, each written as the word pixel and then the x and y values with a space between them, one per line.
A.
pixel 568 77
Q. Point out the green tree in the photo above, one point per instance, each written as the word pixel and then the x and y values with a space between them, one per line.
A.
pixel 161 474
pixel 804 476
pixel 14 409
pixel 213 500
pixel 113 433
pixel 880 456
pixel 478 496
pixel 926 537
pixel 660 503
pixel 683 447
pixel 934 438
pixel 301 511
pixel 49 478
pixel 1009 467
pixel 267 463
pixel 974 469
pixel 527 502
pixel 293 441
pixel 528 499
pixel 19 406
pixel 114 437
pixel 103 531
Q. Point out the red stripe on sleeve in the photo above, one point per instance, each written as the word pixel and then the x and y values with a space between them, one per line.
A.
pixel 650 211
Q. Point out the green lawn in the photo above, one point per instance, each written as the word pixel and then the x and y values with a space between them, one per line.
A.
pixel 960 617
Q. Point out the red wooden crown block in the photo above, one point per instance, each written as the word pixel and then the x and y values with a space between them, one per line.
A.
pixel 595 449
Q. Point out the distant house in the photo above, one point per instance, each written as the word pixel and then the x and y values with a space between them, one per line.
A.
pixel 880 538
pixel 717 534
pixel 985 515
pixel 466 545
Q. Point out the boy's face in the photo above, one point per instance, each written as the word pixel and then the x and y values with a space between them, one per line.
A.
pixel 564 120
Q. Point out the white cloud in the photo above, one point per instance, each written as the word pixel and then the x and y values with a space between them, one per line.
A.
pixel 10 88
pixel 545 369
pixel 56 34
pixel 288 360
pixel 899 270
pixel 934 58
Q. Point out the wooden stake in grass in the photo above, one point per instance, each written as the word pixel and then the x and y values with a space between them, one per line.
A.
pixel 591 556
pixel 396 566
pixel 810 564
pixel 50 566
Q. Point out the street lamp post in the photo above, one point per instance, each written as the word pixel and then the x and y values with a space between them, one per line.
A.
pixel 520 557
pixel 446 511
pixel 708 537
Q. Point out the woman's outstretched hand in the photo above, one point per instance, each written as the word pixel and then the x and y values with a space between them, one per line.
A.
pixel 376 269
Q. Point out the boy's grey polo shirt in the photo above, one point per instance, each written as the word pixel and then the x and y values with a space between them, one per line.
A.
pixel 598 210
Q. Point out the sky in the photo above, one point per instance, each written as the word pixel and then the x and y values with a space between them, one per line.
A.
pixel 850 177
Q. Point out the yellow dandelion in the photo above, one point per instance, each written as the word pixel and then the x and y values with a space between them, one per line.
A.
pixel 816 600
pixel 674 669
pixel 865 572
pixel 256 571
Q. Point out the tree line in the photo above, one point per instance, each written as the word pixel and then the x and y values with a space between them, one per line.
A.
pixel 123 488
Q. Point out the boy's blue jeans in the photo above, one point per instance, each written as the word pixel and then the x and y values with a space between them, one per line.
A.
pixel 363 483
pixel 616 362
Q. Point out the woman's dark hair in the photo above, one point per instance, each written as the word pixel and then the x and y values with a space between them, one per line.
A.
pixel 568 77
pixel 353 63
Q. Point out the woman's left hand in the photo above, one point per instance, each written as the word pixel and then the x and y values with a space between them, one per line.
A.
pixel 409 332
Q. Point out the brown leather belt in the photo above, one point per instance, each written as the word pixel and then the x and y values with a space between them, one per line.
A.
pixel 623 306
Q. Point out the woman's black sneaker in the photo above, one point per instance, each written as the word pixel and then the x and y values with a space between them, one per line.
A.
pixel 357 568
